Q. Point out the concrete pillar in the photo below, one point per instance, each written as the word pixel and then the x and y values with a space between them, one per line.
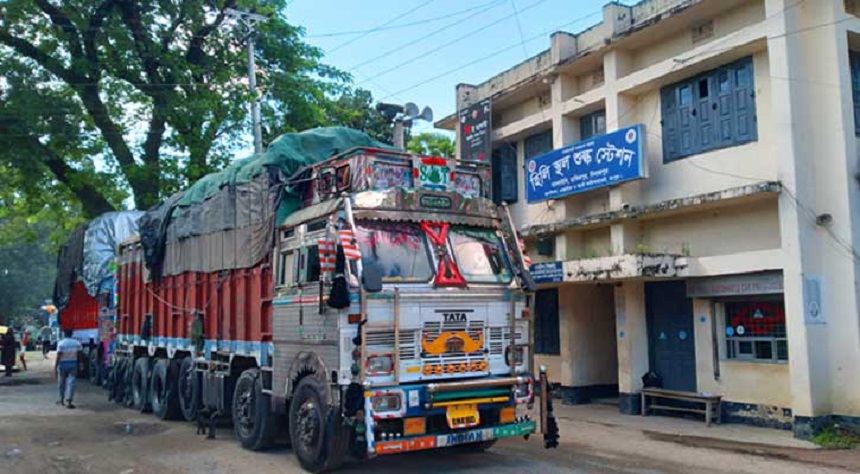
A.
pixel 466 94
pixel 806 117
pixel 617 18
pixel 624 237
pixel 632 332
pixel 563 46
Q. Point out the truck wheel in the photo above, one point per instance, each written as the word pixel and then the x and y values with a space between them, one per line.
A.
pixel 119 379
pixel 188 382
pixel 254 423
pixel 140 385
pixel 316 431
pixel 128 394
pixel 163 393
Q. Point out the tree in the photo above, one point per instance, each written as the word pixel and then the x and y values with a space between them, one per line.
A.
pixel 354 109
pixel 27 270
pixel 428 143
pixel 144 96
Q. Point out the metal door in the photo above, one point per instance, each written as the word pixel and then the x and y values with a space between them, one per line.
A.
pixel 672 347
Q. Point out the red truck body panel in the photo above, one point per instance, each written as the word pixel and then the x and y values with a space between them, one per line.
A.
pixel 81 314
pixel 236 305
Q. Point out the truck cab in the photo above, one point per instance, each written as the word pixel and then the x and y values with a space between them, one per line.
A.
pixel 403 285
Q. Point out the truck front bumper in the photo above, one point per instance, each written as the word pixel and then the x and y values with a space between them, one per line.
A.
pixel 418 443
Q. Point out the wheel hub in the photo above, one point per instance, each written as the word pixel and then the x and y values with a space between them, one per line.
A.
pixel 309 424
pixel 246 411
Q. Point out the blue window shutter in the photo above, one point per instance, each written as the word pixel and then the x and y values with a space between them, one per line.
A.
pixel 538 144
pixel 687 123
pixel 744 95
pixel 725 116
pixel 703 88
pixel 669 114
pixel 505 182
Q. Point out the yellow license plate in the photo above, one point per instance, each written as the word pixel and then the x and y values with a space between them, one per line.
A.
pixel 462 416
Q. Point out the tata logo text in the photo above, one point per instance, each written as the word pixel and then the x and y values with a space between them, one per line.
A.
pixel 454 317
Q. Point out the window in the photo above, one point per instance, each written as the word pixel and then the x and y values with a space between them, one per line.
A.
pixel 855 88
pixel 538 144
pixel 755 330
pixel 505 188
pixel 715 109
pixel 592 125
pixel 285 268
pixel 309 268
pixel 546 322
pixel 398 250
pixel 480 255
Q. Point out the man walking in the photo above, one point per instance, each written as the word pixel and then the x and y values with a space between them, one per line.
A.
pixel 22 356
pixel 8 350
pixel 66 367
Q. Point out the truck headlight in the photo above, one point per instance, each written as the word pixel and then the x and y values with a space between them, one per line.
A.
pixel 380 364
pixel 386 402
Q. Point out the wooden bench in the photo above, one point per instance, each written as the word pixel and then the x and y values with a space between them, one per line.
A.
pixel 711 403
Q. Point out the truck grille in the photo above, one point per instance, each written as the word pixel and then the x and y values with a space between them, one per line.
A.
pixel 455 347
pixel 385 339
pixel 500 337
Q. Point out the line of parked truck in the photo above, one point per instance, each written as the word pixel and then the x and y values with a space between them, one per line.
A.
pixel 361 300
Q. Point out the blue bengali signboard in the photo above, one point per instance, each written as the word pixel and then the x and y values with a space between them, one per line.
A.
pixel 600 161
pixel 547 272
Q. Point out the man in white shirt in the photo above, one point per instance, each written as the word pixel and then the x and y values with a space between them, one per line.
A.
pixel 66 367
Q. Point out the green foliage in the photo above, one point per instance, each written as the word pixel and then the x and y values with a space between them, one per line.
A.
pixel 27 270
pixel 354 109
pixel 145 97
pixel 834 437
pixel 435 144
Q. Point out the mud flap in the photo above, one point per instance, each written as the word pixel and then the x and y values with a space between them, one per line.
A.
pixel 549 426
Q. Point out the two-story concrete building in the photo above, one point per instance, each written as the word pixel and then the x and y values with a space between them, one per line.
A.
pixel 730 266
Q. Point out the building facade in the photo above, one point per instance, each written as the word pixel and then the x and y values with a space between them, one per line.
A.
pixel 728 264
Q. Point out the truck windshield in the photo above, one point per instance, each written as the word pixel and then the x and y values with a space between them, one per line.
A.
pixel 480 255
pixel 398 249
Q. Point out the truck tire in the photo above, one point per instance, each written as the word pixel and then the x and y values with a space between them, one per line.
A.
pixel 188 383
pixel 163 392
pixel 253 421
pixel 140 385
pixel 119 381
pixel 316 430
pixel 128 393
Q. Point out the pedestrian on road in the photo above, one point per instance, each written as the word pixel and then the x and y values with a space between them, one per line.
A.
pixel 9 350
pixel 45 338
pixel 66 368
pixel 25 339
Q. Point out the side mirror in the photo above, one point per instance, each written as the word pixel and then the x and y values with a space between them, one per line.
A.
pixel 371 278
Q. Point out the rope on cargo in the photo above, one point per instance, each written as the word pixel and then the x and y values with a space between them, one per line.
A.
pixel 182 308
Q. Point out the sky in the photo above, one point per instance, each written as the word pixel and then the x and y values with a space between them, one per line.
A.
pixel 419 50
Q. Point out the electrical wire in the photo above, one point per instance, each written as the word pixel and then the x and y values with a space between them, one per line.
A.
pixel 421 39
pixel 375 29
pixel 403 25
pixel 519 28
pixel 425 54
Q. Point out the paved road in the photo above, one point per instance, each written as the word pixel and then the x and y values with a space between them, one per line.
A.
pixel 38 437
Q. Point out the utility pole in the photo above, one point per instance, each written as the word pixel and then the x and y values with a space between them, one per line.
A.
pixel 249 21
